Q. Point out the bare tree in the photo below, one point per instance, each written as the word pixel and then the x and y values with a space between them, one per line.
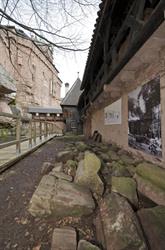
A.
pixel 50 21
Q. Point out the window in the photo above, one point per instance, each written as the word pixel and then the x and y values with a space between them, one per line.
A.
pixel 33 72
pixel 20 58
pixel 52 88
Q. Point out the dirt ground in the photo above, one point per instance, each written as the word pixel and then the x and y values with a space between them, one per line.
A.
pixel 18 229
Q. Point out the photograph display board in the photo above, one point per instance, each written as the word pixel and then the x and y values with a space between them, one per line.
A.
pixel 144 120
pixel 112 113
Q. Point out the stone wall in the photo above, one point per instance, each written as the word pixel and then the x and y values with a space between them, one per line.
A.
pixel 33 72
pixel 147 64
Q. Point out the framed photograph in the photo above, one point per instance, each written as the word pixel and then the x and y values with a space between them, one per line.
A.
pixel 112 113
pixel 144 122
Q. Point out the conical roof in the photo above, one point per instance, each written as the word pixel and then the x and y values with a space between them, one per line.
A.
pixel 72 97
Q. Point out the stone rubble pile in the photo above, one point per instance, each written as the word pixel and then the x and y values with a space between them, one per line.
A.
pixel 124 194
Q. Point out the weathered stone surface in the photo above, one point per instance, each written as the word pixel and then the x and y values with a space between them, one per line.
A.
pixel 71 167
pixel 59 198
pixel 81 146
pixel 80 156
pixel 152 173
pixel 113 155
pixel 104 148
pixel 131 169
pixel 153 192
pixel 61 175
pixel 119 170
pixel 58 167
pixel 120 224
pixel 63 156
pixel 114 147
pixel 64 239
pixel 153 223
pixel 105 157
pixel 86 245
pixel 46 167
pixel 99 230
pixel 126 187
pixel 128 160
pixel 145 202
pixel 86 173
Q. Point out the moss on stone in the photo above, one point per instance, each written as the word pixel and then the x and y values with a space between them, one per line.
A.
pixel 126 187
pixel 113 155
pixel 153 173
pixel 119 170
pixel 127 159
pixel 131 169
pixel 71 164
pixel 81 146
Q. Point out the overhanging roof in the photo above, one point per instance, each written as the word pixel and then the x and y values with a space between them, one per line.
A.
pixel 44 110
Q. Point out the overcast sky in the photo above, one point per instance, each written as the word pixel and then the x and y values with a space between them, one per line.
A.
pixel 69 21
pixel 72 62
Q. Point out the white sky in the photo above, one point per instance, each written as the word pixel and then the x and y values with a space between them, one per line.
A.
pixel 70 63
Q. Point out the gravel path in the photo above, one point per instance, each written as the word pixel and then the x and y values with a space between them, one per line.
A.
pixel 18 229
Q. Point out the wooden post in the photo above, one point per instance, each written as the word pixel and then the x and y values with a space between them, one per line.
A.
pixel 35 135
pixel 18 135
pixel 40 129
pixel 52 129
pixel 45 129
pixel 30 134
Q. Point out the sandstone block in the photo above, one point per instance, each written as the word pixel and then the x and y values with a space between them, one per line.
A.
pixel 148 189
pixel 58 166
pixel 153 223
pixel 64 239
pixel 119 170
pixel 86 174
pixel 128 160
pixel 153 173
pixel 46 167
pixel 59 198
pixel 113 155
pixel 61 175
pixel 86 245
pixel 120 225
pixel 126 187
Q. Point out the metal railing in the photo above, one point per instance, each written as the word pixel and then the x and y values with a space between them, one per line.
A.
pixel 36 131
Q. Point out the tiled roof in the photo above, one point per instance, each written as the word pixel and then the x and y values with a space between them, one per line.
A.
pixel 72 97
pixel 100 12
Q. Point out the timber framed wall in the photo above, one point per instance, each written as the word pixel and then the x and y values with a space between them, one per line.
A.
pixel 147 64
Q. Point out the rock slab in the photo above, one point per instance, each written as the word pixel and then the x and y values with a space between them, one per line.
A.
pixel 126 187
pixel 150 190
pixel 59 198
pixel 46 167
pixel 86 245
pixel 120 225
pixel 64 239
pixel 153 223
pixel 87 173
pixel 60 175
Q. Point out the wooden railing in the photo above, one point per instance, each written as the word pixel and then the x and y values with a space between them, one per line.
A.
pixel 36 131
